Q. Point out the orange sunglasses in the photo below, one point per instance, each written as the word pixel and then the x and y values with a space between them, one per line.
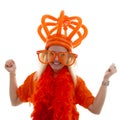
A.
pixel 47 56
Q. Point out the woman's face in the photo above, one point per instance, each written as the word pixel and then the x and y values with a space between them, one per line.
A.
pixel 56 65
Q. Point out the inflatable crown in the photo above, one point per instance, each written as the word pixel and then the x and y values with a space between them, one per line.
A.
pixel 63 31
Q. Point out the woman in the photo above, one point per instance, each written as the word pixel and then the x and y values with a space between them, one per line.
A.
pixel 55 90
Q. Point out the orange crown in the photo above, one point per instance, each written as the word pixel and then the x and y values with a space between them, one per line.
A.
pixel 63 31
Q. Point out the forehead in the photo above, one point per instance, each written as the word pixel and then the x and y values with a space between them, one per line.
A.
pixel 57 48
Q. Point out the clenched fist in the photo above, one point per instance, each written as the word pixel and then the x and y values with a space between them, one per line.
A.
pixel 110 71
pixel 10 66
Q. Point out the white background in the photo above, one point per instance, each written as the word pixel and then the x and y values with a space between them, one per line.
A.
pixel 19 40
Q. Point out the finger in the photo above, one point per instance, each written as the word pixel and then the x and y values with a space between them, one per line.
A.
pixel 8 65
pixel 114 67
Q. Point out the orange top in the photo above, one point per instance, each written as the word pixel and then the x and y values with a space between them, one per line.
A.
pixel 77 95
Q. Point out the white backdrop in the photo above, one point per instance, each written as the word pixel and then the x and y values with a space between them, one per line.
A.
pixel 19 40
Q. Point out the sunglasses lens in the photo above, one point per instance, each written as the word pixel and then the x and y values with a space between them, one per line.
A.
pixel 67 58
pixel 46 56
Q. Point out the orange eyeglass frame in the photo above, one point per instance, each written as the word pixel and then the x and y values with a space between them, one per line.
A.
pixel 54 54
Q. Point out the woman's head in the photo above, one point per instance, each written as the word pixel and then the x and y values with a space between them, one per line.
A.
pixel 60 35
pixel 56 65
pixel 57 56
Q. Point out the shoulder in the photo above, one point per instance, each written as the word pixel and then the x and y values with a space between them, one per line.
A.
pixel 31 77
pixel 79 81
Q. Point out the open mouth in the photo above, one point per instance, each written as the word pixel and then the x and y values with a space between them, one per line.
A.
pixel 56 63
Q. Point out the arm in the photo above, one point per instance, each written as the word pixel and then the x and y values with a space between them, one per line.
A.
pixel 11 68
pixel 100 98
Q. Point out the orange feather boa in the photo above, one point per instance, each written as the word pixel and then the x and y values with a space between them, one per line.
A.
pixel 54 97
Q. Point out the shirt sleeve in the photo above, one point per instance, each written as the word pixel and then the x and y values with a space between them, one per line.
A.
pixel 83 95
pixel 25 90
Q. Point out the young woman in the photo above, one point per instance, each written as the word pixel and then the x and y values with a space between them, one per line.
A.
pixel 55 90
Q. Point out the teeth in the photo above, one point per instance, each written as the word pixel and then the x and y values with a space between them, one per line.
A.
pixel 56 63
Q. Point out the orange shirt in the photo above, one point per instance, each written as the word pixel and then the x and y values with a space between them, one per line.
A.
pixel 53 94
pixel 83 95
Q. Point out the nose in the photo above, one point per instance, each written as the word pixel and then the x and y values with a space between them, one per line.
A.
pixel 56 57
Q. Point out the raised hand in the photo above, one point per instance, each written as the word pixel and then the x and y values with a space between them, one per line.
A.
pixel 10 66
pixel 110 71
